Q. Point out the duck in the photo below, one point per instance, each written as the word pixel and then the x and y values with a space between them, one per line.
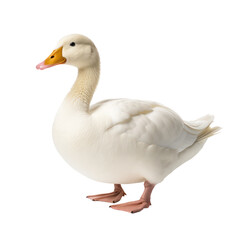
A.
pixel 118 141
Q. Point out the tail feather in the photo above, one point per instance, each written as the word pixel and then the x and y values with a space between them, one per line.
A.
pixel 201 127
pixel 207 132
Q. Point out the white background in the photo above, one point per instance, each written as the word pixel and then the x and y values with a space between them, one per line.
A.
pixel 183 54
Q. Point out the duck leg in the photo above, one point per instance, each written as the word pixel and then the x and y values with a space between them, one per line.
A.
pixel 112 197
pixel 139 205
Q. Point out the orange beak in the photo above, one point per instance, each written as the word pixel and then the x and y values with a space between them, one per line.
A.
pixel 53 59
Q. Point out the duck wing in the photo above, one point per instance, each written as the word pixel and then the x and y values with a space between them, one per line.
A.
pixel 148 122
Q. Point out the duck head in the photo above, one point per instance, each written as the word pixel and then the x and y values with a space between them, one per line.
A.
pixel 76 50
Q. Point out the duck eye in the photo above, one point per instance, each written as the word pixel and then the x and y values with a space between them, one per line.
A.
pixel 72 44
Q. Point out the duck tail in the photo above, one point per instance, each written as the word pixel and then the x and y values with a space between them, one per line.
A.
pixel 208 132
pixel 201 127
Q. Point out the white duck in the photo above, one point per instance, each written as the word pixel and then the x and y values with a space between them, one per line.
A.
pixel 119 141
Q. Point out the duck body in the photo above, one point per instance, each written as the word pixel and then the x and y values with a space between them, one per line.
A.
pixel 123 140
pixel 118 141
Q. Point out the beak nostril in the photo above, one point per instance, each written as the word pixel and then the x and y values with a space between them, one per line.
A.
pixel 52 56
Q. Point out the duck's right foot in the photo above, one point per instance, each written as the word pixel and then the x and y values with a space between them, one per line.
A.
pixel 112 197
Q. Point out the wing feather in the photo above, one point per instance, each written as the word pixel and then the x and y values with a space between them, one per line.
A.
pixel 147 122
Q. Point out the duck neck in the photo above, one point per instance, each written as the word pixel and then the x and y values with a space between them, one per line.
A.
pixel 83 89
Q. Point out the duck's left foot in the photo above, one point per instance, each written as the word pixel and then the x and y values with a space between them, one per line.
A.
pixel 132 207
pixel 112 197
pixel 139 205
